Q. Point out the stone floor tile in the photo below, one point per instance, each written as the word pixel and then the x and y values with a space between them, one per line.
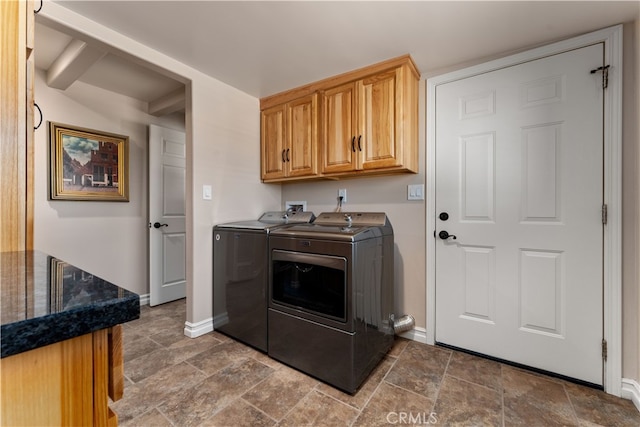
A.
pixel 157 324
pixel 168 337
pixel 391 405
pixel 598 407
pixel 364 393
pixel 477 370
pixel 239 414
pixel 152 418
pixel 152 391
pixel 420 369
pixel 137 344
pixel 142 367
pixel 399 344
pixel 280 392
pixel 462 403
pixel 533 399
pixel 318 409
pixel 192 406
pixel 220 356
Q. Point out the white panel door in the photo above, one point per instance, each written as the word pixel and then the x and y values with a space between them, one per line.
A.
pixel 519 173
pixel 167 227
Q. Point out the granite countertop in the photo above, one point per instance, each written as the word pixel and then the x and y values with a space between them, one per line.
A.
pixel 45 300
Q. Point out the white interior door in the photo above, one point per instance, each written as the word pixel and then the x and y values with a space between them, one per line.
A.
pixel 519 173
pixel 167 228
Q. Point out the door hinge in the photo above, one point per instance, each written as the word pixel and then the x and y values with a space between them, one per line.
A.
pixel 604 350
pixel 604 213
pixel 605 75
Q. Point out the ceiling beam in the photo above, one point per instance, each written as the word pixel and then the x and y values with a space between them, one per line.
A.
pixel 168 104
pixel 72 63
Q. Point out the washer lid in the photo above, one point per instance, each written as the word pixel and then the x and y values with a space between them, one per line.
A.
pixel 352 219
pixel 287 217
pixel 271 220
pixel 328 232
pixel 341 226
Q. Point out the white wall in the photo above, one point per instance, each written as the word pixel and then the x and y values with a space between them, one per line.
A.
pixel 105 238
pixel 225 153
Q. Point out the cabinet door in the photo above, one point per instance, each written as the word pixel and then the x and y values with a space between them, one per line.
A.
pixel 339 129
pixel 379 121
pixel 302 137
pixel 50 386
pixel 272 142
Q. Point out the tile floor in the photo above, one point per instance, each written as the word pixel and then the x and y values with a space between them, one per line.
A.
pixel 213 380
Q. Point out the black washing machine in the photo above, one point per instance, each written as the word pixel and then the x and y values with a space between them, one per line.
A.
pixel 240 275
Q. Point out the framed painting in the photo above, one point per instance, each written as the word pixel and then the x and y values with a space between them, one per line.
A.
pixel 87 164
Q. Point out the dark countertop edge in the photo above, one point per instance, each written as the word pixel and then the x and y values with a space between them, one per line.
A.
pixel 21 336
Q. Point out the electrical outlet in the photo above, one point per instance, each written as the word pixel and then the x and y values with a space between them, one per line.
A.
pixel 298 205
pixel 343 193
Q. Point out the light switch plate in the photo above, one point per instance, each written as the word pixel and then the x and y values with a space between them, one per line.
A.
pixel 206 192
pixel 415 192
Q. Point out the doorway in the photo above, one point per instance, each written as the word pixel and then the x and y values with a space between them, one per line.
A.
pixel 536 260
pixel 167 220
pixel 519 187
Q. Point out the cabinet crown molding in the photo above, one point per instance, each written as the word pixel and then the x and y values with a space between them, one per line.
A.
pixel 289 95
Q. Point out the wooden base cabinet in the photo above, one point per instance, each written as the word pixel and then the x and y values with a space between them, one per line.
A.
pixel 368 123
pixel 64 384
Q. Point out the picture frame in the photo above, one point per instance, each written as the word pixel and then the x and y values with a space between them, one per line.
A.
pixel 87 164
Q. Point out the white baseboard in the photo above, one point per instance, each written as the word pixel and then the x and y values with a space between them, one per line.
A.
pixel 416 334
pixel 194 330
pixel 631 391
pixel 144 299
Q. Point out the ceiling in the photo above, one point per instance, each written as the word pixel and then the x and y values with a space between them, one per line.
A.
pixel 266 47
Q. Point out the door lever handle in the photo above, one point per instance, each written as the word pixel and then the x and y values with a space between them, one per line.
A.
pixel 445 235
pixel 158 225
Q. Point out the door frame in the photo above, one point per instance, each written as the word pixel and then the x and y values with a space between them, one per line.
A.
pixel 612 249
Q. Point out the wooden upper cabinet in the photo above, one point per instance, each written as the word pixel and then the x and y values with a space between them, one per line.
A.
pixel 379 141
pixel 339 129
pixel 363 124
pixel 302 137
pixel 368 124
pixel 272 143
pixel 289 139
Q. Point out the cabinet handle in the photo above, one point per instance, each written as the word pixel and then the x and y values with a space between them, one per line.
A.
pixel 40 8
pixel 288 154
pixel 359 145
pixel 353 144
pixel 283 160
pixel 39 111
